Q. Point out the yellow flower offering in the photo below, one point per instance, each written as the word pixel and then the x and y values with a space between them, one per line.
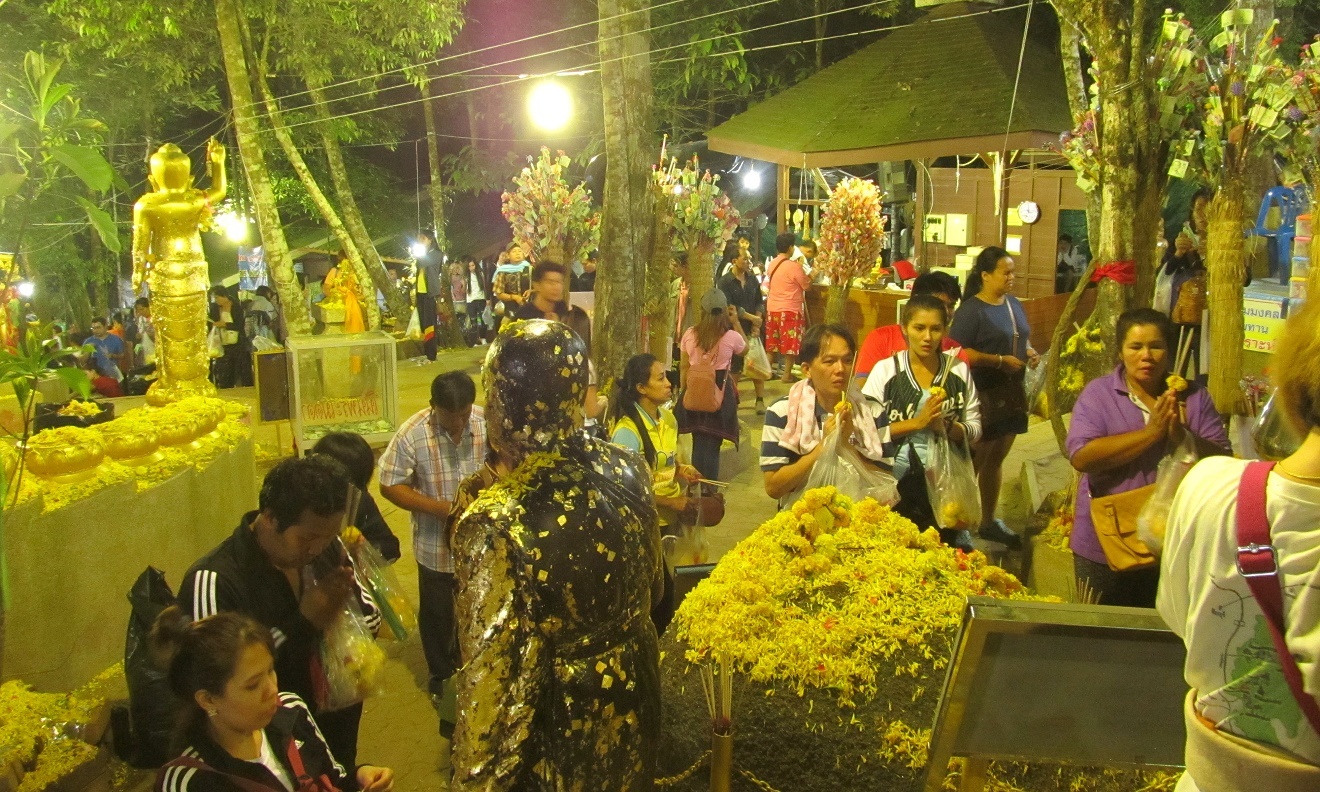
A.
pixel 937 393
pixel 77 408
pixel 1176 382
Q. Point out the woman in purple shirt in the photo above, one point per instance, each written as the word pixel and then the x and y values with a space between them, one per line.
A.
pixel 1122 426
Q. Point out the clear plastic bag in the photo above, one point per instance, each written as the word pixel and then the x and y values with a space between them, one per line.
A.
pixel 378 578
pixel 1035 381
pixel 757 363
pixel 351 660
pixel 1274 437
pixel 951 484
pixel 1154 516
pixel 841 467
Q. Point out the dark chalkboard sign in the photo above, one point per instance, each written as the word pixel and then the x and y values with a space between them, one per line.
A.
pixel 1085 685
pixel 272 373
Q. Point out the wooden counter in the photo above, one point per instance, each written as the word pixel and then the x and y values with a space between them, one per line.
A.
pixel 867 310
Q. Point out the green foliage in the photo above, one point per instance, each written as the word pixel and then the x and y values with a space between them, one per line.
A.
pixel 32 361
pixel 48 150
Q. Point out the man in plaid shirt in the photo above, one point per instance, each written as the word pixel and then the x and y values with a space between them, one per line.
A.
pixel 420 471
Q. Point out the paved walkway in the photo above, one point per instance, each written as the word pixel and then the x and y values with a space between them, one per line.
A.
pixel 399 728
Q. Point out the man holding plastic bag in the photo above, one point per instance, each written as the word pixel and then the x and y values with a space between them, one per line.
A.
pixel 931 413
pixel 285 567
pixel 808 428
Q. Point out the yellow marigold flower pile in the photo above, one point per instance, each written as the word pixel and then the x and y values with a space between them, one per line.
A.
pixel 826 593
pixel 39 731
pixel 80 409
pixel 1058 533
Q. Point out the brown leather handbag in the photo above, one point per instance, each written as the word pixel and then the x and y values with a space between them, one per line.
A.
pixel 1115 521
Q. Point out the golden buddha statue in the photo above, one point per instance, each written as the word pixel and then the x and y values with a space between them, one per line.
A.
pixel 167 254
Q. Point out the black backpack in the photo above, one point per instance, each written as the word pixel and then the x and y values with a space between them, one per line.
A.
pixel 152 708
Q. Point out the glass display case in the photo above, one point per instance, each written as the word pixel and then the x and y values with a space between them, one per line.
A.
pixel 343 383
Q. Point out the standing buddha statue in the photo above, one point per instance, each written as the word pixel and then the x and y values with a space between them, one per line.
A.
pixel 167 255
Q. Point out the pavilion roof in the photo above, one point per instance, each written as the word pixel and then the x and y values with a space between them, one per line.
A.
pixel 938 87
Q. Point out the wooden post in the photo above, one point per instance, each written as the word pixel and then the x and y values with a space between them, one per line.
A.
pixel 781 198
pixel 975 770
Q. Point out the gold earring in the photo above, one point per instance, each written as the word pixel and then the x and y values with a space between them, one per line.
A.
pixel 212 713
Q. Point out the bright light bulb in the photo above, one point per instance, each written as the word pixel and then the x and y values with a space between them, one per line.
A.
pixel 236 228
pixel 550 105
pixel 417 249
pixel 25 289
pixel 751 180
pixel 678 189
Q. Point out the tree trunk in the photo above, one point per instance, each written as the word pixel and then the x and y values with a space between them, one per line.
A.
pixel 837 304
pixel 659 276
pixel 347 247
pixel 334 157
pixel 820 20
pixel 1054 409
pixel 1225 272
pixel 474 123
pixel 447 334
pixel 276 248
pixel 701 276
pixel 628 218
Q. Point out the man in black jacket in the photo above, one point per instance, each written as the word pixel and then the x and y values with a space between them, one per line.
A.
pixel 285 567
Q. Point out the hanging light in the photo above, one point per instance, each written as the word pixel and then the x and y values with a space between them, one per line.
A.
pixel 550 105
pixel 752 179
pixel 25 289
pixel 417 249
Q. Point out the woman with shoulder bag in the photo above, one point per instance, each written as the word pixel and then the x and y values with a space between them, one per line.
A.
pixel 709 406
pixel 1240 584
pixel 1122 426
pixel 992 328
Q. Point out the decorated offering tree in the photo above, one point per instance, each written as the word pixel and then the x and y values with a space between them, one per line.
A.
pixel 551 219
pixel 1125 242
pixel 852 233
pixel 1302 146
pixel 835 623
pixel 1243 116
pixel 704 219
pixel 658 305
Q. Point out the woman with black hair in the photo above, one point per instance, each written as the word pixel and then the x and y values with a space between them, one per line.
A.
pixel 354 453
pixel 241 733
pixel 643 424
pixel 992 327
pixel 234 368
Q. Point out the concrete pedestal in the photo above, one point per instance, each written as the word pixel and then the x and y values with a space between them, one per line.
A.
pixel 70 570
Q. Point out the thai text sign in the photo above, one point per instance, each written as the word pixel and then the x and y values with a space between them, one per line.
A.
pixel 1262 321
pixel 358 408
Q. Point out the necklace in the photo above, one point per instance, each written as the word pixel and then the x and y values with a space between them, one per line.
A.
pixel 1297 476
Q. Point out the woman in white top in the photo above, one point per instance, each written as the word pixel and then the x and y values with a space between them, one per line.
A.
pixel 1245 728
pixel 923 391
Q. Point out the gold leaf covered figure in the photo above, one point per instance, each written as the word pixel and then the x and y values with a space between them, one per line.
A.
pixel 167 255
pixel 557 565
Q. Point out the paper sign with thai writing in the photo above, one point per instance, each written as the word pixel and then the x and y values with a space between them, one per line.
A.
pixel 1262 322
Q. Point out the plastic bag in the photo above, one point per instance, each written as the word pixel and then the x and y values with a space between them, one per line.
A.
pixel 757 363
pixel 350 661
pixel 1274 437
pixel 414 330
pixel 1154 516
pixel 215 342
pixel 841 467
pixel 1035 382
pixel 152 708
pixel 951 484
pixel 379 579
